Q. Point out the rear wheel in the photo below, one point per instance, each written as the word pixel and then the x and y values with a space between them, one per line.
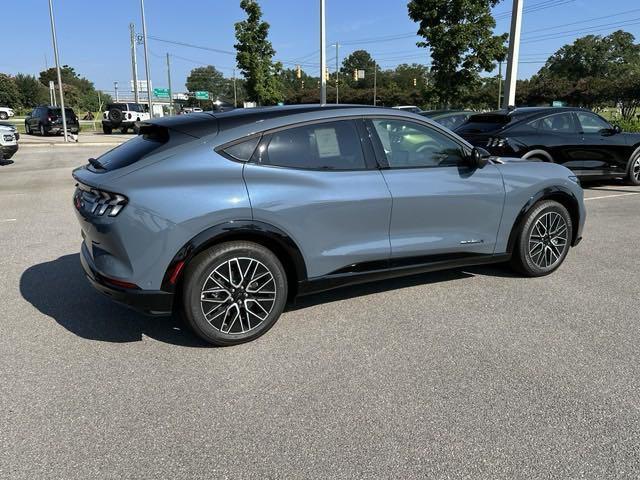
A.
pixel 124 130
pixel 633 177
pixel 106 130
pixel 543 240
pixel 234 292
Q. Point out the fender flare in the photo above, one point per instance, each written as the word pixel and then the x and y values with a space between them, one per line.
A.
pixel 231 230
pixel 551 193
pixel 538 152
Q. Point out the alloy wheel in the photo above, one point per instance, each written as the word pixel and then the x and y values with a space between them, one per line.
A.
pixel 635 169
pixel 548 240
pixel 238 295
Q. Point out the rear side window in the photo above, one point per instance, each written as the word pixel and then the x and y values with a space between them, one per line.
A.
pixel 244 150
pixel 324 146
pixel 559 123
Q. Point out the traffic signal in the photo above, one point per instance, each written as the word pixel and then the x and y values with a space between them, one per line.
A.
pixel 415 82
pixel 355 75
pixel 326 74
pixel 298 71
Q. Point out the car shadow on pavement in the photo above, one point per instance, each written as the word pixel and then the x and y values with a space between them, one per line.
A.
pixel 59 290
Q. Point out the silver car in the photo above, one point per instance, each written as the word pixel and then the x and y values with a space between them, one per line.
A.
pixel 227 216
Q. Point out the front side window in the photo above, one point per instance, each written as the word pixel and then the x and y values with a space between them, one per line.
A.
pixel 409 145
pixel 559 123
pixel 591 123
pixel 324 146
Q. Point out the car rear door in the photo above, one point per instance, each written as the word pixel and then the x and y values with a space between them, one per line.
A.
pixel 439 205
pixel 558 135
pixel 317 183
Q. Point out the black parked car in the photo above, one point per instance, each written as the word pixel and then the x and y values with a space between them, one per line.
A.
pixel 576 138
pixel 450 119
pixel 48 120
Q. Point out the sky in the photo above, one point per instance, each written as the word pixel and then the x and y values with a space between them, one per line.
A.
pixel 93 35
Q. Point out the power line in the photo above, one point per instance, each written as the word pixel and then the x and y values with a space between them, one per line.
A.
pixel 591 29
pixel 584 21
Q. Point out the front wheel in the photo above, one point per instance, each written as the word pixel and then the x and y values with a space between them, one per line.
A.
pixel 234 292
pixel 27 128
pixel 543 240
pixel 633 177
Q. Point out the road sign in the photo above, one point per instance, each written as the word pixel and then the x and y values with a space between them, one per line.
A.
pixel 161 92
pixel 558 103
pixel 202 95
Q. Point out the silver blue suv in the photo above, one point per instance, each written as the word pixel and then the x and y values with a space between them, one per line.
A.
pixel 225 217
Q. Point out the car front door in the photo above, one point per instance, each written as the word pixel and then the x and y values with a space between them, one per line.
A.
pixel 605 152
pixel 315 183
pixel 440 206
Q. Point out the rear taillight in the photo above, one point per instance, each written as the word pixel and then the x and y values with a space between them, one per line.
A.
pixel 496 142
pixel 98 202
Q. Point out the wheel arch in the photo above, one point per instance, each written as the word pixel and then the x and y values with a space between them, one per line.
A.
pixel 559 194
pixel 261 233
pixel 538 152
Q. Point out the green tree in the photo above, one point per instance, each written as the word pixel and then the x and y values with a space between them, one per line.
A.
pixel 32 92
pixel 359 60
pixel 459 35
pixel 255 57
pixel 9 93
pixel 207 79
pixel 80 92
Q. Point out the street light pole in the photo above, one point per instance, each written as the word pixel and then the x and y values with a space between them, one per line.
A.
pixel 146 59
pixel 115 89
pixel 235 90
pixel 337 72
pixel 170 91
pixel 55 52
pixel 323 57
pixel 134 62
pixel 375 83
pixel 514 53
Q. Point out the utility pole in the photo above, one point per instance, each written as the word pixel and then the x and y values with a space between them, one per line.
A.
pixel 499 85
pixel 235 90
pixel 337 72
pixel 323 56
pixel 134 62
pixel 375 84
pixel 115 89
pixel 514 53
pixel 55 53
pixel 170 91
pixel 146 59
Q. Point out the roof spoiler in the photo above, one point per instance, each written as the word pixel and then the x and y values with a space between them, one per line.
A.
pixel 196 125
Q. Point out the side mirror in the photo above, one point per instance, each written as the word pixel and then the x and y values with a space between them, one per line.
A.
pixel 617 129
pixel 478 158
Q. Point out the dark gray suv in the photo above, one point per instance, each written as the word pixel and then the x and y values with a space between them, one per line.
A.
pixel 224 217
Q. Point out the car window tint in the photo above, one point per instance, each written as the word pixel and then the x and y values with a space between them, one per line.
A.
pixel 408 144
pixel 560 123
pixel 244 150
pixel 591 123
pixel 330 146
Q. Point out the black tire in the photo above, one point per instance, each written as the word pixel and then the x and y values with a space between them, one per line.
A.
pixel 106 130
pixel 4 116
pixel 136 128
pixel 124 130
pixel 231 301
pixel 633 171
pixel 535 253
pixel 116 116
pixel 27 129
pixel 42 130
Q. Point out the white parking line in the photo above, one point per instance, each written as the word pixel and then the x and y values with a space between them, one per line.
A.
pixel 611 196
pixel 8 220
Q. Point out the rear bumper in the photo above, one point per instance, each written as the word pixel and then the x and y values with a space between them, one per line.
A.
pixel 150 302
pixel 58 129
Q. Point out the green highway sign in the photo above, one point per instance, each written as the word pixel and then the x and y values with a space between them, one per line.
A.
pixel 161 92
pixel 202 95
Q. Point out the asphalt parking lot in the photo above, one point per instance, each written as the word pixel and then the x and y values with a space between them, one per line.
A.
pixel 471 373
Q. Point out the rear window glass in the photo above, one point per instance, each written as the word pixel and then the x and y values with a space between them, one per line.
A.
pixel 132 151
pixel 58 111
pixel 484 123
pixel 119 106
